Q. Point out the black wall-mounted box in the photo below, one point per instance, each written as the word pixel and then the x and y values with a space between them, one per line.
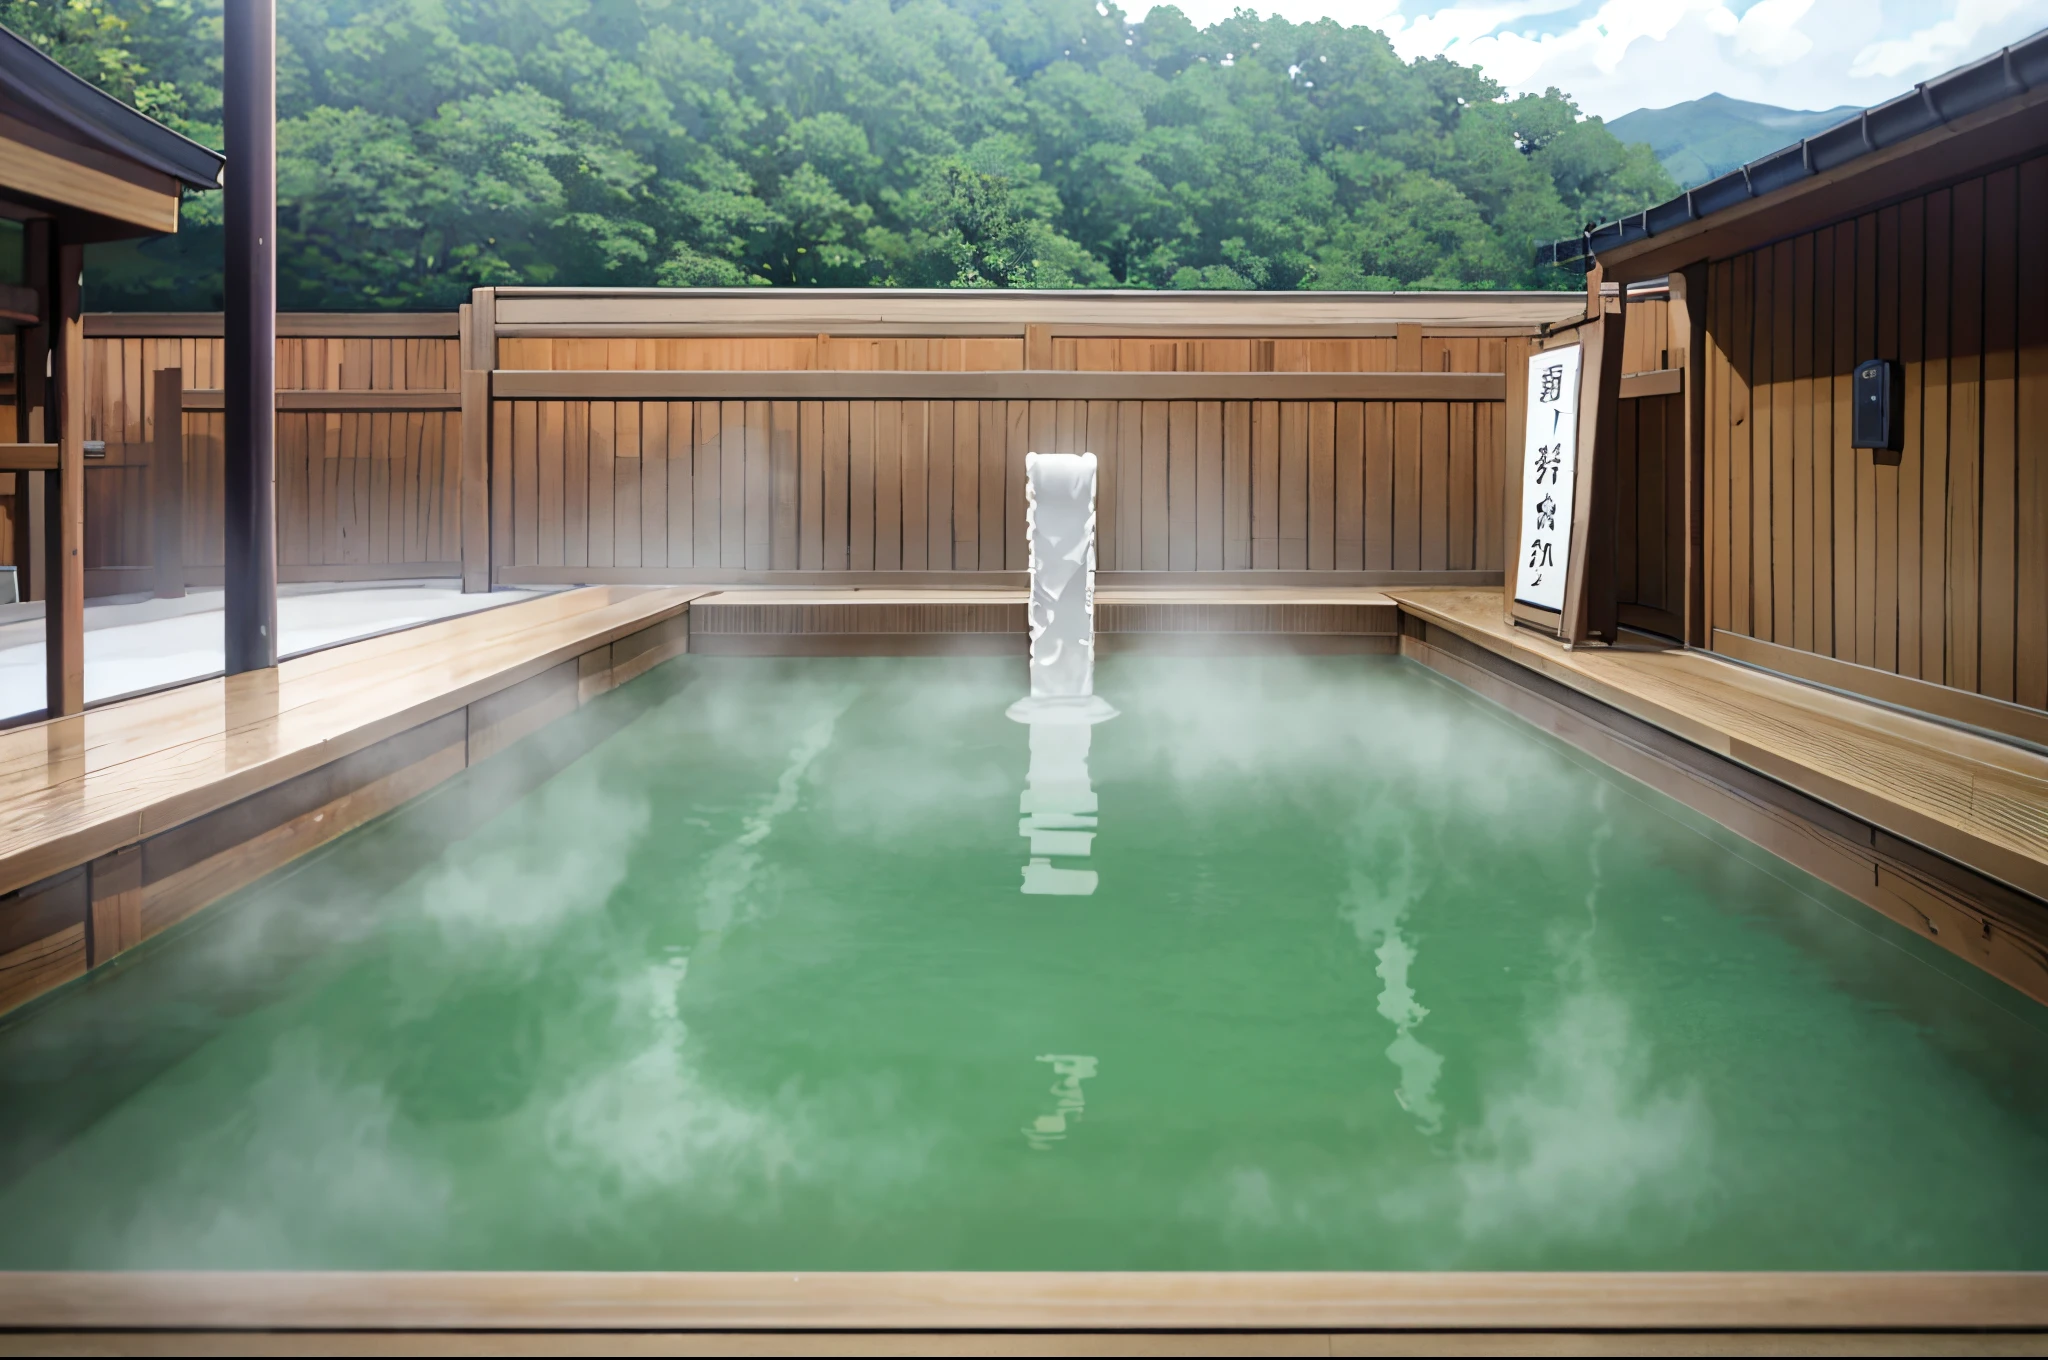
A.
pixel 1880 406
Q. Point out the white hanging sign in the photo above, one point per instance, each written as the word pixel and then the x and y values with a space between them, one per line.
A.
pixel 1550 459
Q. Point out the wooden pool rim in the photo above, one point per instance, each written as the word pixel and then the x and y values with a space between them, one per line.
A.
pixel 1286 1301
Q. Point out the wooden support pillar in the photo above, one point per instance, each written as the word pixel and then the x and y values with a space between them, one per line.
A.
pixel 167 485
pixel 1590 605
pixel 64 493
pixel 249 489
pixel 1689 325
pixel 495 482
pixel 476 319
pixel 31 403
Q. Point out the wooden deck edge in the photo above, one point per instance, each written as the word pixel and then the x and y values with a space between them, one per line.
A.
pixel 1941 702
pixel 1973 916
pixel 253 698
pixel 1022 1301
pixel 530 575
pixel 1971 1341
pixel 1017 645
pixel 134 884
pixel 1996 861
pixel 1116 620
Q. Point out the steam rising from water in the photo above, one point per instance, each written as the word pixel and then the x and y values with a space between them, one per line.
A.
pixel 1373 980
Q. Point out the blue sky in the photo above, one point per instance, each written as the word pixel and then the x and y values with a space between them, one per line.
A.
pixel 1620 55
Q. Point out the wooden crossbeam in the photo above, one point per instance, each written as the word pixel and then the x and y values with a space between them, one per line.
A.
pixel 28 458
pixel 210 399
pixel 991 385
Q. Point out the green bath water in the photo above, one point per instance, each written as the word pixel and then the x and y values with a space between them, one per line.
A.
pixel 1371 976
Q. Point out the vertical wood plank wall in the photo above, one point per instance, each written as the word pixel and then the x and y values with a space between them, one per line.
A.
pixel 1935 566
pixel 358 493
pixel 902 485
pixel 1649 480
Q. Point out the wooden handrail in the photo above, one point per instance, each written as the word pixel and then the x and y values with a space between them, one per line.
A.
pixel 990 385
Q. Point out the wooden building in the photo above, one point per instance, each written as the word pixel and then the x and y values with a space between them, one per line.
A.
pixel 76 166
pixel 1914 233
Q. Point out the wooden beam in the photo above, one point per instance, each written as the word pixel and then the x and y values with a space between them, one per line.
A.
pixel 939 311
pixel 167 486
pixel 290 399
pixel 64 495
pixel 28 458
pixel 1024 1302
pixel 1658 382
pixel 949 329
pixel 996 385
pixel 210 325
pixel 43 166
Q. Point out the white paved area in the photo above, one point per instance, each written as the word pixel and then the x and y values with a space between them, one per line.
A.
pixel 141 644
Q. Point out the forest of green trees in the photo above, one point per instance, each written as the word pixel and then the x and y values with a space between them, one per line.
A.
pixel 428 146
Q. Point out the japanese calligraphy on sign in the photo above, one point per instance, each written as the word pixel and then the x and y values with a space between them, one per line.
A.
pixel 1550 453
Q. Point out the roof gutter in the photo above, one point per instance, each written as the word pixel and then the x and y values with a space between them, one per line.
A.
pixel 2005 74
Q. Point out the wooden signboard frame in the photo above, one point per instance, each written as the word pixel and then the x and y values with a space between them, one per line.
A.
pixel 1590 606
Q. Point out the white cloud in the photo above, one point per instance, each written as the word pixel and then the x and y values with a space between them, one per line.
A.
pixel 1951 40
pixel 1631 54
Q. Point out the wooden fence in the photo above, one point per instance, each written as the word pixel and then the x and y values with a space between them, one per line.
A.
pixel 647 436
pixel 368 430
pixel 556 437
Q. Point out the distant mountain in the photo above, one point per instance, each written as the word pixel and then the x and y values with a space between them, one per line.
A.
pixel 1706 137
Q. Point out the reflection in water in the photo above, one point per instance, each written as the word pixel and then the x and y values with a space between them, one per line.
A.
pixel 1588 1135
pixel 1072 1070
pixel 1058 805
pixel 728 875
pixel 1376 911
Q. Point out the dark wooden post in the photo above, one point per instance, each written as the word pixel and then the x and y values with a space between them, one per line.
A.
pixel 64 493
pixel 167 485
pixel 249 117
